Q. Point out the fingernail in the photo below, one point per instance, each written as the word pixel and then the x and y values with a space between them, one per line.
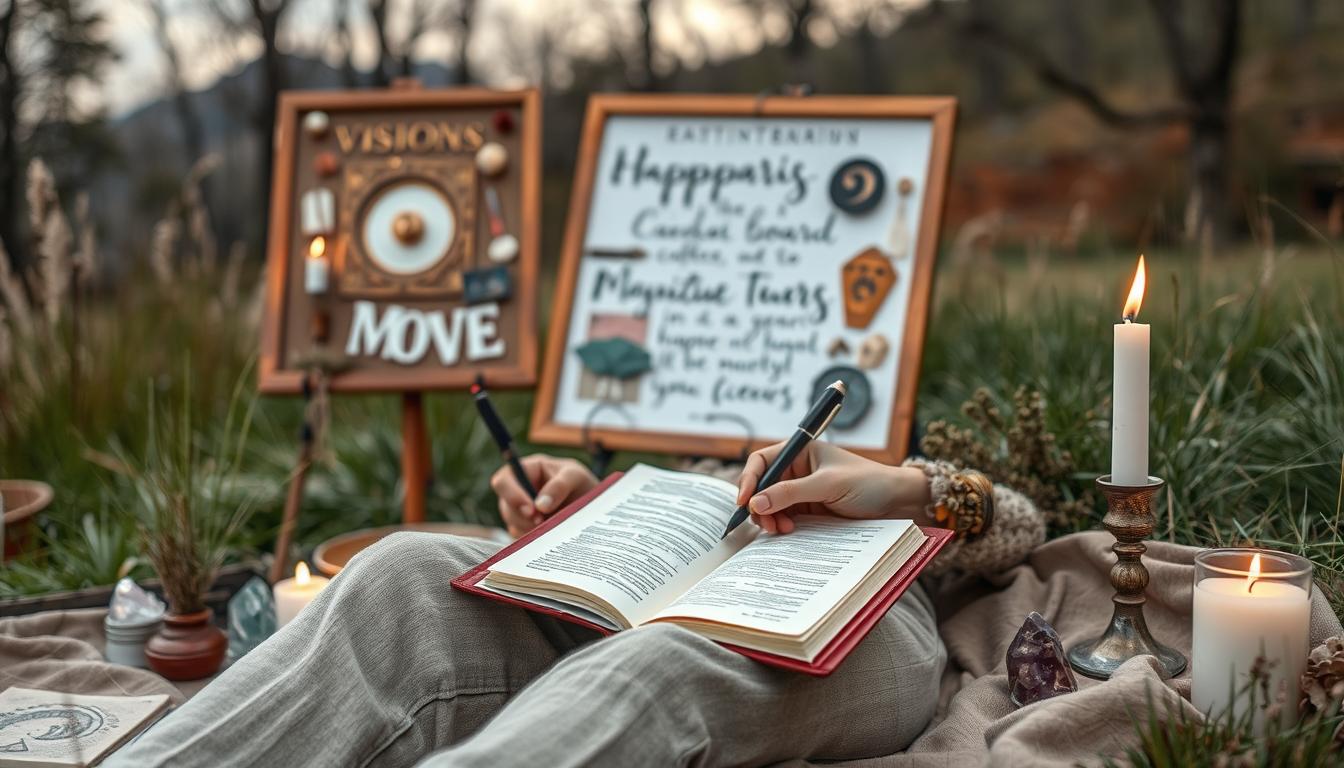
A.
pixel 760 503
pixel 527 510
pixel 544 502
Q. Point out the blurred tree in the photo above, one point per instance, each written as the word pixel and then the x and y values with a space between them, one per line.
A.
pixel 189 123
pixel 261 19
pixel 648 74
pixel 395 50
pixel 11 161
pixel 66 52
pixel 466 17
pixel 345 42
pixel 1201 60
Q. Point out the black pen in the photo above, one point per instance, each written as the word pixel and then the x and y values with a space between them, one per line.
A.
pixel 501 435
pixel 809 429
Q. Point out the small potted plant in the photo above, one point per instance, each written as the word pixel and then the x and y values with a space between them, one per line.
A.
pixel 184 494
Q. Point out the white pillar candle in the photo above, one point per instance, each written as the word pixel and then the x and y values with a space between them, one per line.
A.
pixel 1129 392
pixel 291 595
pixel 1236 621
pixel 315 267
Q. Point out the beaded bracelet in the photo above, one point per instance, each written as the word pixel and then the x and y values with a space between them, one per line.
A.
pixel 968 505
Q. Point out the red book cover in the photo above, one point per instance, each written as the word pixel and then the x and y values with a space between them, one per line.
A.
pixel 825 662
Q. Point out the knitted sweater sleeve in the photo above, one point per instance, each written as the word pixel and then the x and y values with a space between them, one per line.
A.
pixel 1017 529
pixel 1018 526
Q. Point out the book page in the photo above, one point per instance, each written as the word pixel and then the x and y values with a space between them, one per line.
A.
pixel 48 728
pixel 786 584
pixel 637 546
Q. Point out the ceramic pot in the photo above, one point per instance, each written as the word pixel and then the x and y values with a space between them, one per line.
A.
pixel 22 500
pixel 187 647
pixel 332 555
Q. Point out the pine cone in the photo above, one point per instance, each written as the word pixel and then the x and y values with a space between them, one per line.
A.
pixel 1323 681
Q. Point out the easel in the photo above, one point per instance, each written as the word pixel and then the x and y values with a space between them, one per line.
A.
pixel 415 457
pixel 415 471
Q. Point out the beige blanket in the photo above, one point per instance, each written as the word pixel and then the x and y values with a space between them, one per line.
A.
pixel 1067 581
pixel 63 651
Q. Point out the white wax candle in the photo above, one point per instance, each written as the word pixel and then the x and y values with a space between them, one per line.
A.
pixel 1129 393
pixel 291 595
pixel 315 267
pixel 1233 626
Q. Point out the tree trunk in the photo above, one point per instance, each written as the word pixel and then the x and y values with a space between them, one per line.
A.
pixel 11 162
pixel 871 74
pixel 273 75
pixel 466 16
pixel 1209 157
pixel 650 77
pixel 799 47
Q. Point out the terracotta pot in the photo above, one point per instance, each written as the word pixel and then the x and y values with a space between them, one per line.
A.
pixel 23 500
pixel 187 647
pixel 332 555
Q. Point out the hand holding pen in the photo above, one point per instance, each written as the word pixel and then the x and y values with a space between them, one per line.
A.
pixel 811 427
pixel 521 505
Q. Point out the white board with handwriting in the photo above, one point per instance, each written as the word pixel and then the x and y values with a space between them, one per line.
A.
pixel 754 260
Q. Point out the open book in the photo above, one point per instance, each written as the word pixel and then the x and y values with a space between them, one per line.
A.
pixel 46 729
pixel 645 548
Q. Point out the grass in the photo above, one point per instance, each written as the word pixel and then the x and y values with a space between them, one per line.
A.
pixel 1247 417
pixel 1248 403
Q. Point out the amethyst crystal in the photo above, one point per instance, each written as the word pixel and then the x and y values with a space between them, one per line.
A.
pixel 1037 668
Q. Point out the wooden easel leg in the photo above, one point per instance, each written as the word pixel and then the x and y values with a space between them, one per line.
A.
pixel 414 457
pixel 293 502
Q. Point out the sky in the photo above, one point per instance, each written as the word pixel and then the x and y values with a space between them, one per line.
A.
pixel 689 29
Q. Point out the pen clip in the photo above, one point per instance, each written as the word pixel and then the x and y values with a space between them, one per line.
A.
pixel 827 422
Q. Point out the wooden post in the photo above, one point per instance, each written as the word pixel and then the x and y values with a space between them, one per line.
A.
pixel 293 502
pixel 414 457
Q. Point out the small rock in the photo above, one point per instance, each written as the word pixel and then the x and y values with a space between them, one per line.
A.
pixel 1037 668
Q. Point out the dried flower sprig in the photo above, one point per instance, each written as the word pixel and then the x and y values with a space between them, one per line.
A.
pixel 1019 452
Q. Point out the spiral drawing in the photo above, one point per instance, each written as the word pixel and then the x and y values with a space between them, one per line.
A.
pixel 857 186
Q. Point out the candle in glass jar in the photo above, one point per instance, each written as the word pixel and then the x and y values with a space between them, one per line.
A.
pixel 291 595
pixel 1241 614
pixel 1129 392
pixel 315 267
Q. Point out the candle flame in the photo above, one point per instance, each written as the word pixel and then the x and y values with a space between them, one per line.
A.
pixel 318 247
pixel 1136 290
pixel 1254 572
pixel 301 575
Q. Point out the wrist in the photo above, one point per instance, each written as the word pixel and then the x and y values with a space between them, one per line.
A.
pixel 911 494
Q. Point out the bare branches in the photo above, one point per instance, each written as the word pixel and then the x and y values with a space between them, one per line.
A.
pixel 1059 78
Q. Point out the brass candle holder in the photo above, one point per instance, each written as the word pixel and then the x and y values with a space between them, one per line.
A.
pixel 1129 517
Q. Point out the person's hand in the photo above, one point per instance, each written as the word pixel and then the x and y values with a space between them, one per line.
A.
pixel 826 479
pixel 558 482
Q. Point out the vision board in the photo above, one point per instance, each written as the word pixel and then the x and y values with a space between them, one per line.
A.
pixel 403 239
pixel 726 257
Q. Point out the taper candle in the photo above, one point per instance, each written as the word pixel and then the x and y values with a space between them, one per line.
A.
pixel 315 268
pixel 1129 392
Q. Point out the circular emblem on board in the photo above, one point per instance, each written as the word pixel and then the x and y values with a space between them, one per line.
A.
pixel 857 186
pixel 408 227
pixel 858 394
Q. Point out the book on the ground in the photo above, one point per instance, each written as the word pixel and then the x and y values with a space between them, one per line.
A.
pixel 644 548
pixel 47 729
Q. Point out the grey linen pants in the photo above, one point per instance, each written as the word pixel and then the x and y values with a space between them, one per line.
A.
pixel 390 666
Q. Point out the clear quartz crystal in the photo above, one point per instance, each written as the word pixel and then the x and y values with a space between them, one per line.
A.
pixel 132 605
pixel 251 618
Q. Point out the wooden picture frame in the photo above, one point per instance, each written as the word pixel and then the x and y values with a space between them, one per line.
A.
pixel 938 111
pixel 277 372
